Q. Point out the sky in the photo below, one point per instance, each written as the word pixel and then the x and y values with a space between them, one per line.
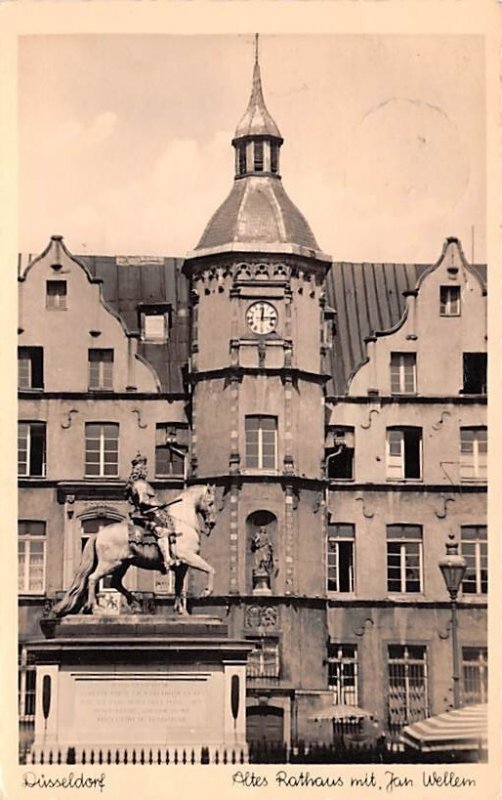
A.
pixel 125 141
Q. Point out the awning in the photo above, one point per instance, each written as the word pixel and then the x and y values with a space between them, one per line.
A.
pixel 461 729
pixel 341 713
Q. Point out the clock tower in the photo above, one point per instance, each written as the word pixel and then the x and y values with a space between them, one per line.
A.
pixel 256 370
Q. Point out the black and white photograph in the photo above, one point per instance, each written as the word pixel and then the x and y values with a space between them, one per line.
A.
pixel 252 406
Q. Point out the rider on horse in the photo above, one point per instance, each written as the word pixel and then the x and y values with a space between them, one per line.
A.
pixel 148 513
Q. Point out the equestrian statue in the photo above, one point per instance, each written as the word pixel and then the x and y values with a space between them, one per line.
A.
pixel 154 538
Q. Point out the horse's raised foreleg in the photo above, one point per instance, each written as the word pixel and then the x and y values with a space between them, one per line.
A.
pixel 196 562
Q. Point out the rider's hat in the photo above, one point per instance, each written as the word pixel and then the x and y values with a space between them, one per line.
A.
pixel 138 459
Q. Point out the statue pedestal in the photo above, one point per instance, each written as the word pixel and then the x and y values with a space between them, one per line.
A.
pixel 261 582
pixel 139 682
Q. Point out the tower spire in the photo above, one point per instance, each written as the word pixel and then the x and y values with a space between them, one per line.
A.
pixel 257 138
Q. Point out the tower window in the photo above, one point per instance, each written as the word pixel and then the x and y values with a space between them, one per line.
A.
pixel 170 449
pixel 261 442
pixel 258 156
pixel 241 159
pixel 474 373
pixel 30 362
pixel 274 158
pixel 449 301
pixel 56 295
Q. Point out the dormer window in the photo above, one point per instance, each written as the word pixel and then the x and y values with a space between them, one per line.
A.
pixel 155 323
pixel 258 156
pixel 449 301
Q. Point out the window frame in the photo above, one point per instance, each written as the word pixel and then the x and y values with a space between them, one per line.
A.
pixel 27 539
pixel 105 374
pixel 343 694
pixel 404 540
pixel 260 442
pixel 483 359
pixel 347 434
pixel 264 644
pixel 479 543
pixel 474 469
pixel 407 662
pixel 479 674
pixel 333 540
pixel 26 695
pixel 101 474
pixel 61 304
pixel 404 370
pixel 28 450
pixel 33 355
pixel 445 302
pixel 402 430
pixel 258 155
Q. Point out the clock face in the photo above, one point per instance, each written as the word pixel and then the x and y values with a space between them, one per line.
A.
pixel 261 317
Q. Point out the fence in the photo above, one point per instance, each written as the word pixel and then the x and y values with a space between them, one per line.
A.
pixel 258 753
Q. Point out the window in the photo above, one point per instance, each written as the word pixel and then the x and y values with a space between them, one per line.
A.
pixel 31 557
pixel 31 449
pixel 474 373
pixel 403 373
pixel 171 445
pixel 101 449
pixel 258 156
pixel 475 675
pixel 274 158
pixel 154 327
pixel 474 548
pixel 261 442
pixel 263 661
pixel 30 361
pixel 340 457
pixel 404 558
pixel 100 369
pixel 340 560
pixel 56 295
pixel 449 301
pixel 404 453
pixel 473 454
pixel 342 673
pixel 242 162
pixel 407 684
pixel 26 686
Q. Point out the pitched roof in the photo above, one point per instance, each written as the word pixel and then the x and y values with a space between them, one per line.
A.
pixel 367 298
pixel 130 281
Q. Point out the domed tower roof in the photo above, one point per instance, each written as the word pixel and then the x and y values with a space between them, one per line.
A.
pixel 257 211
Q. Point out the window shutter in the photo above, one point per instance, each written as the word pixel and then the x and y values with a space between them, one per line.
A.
pixel 395 454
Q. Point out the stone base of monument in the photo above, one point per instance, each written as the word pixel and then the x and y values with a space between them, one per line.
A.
pixel 118 685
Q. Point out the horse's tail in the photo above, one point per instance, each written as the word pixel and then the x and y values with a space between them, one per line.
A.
pixel 71 603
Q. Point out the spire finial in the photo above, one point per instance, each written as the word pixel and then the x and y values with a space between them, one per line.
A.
pixel 256 45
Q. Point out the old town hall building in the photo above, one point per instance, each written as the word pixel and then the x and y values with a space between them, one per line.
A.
pixel 340 409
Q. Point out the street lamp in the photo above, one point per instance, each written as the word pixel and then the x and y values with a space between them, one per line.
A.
pixel 453 567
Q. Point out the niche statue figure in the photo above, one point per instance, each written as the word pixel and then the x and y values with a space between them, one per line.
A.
pixel 263 551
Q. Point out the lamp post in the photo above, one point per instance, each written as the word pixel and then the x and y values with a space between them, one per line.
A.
pixel 453 567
